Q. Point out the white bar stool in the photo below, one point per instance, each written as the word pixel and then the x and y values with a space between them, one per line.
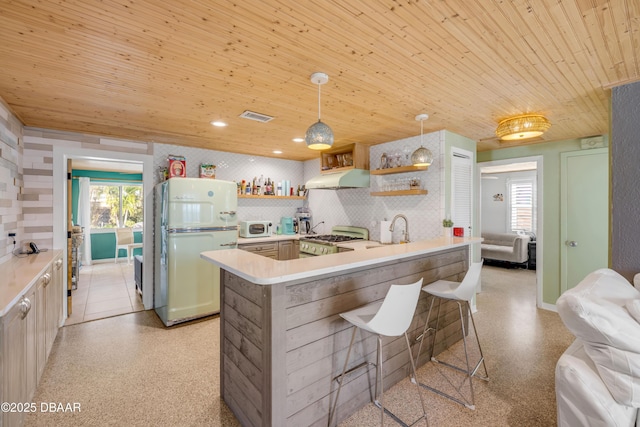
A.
pixel 390 317
pixel 462 293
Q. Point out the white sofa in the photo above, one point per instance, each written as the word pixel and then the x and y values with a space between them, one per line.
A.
pixel 598 376
pixel 509 247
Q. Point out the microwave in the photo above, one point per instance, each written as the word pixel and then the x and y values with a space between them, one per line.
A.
pixel 255 228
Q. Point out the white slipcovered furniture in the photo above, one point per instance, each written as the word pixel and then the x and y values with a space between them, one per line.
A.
pixel 598 376
pixel 509 247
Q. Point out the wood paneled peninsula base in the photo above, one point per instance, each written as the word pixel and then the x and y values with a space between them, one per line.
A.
pixel 283 341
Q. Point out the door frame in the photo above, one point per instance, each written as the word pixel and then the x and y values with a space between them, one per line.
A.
pixel 60 157
pixel 539 210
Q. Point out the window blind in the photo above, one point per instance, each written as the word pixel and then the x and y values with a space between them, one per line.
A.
pixel 522 209
pixel 461 190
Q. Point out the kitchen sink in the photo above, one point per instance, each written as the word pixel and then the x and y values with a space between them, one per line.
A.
pixel 383 245
pixel 374 246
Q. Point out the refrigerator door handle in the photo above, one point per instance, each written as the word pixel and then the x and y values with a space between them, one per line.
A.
pixel 229 244
pixel 232 213
pixel 202 229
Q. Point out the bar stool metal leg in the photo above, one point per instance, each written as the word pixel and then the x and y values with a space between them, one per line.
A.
pixel 332 408
pixel 460 292
pixel 389 318
pixel 469 372
pixel 424 332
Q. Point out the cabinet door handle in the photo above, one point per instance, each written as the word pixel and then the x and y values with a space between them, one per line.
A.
pixel 229 244
pixel 58 264
pixel 46 279
pixel 25 307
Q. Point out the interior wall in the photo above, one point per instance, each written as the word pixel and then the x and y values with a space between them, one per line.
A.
pixel 495 209
pixel 357 207
pixel 625 175
pixel 236 167
pixel 550 153
pixel 38 173
pixel 12 191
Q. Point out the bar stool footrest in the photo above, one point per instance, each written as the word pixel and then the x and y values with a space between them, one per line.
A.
pixel 448 396
pixel 355 368
pixel 395 417
pixel 464 371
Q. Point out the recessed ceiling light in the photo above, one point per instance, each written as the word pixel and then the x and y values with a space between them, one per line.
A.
pixel 277 151
pixel 298 139
pixel 218 123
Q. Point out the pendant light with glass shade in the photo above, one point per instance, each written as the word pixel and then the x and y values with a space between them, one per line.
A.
pixel 422 156
pixel 319 136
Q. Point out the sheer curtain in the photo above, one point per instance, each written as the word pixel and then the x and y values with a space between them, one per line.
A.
pixel 84 217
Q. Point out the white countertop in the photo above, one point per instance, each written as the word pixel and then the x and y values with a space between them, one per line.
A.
pixel 18 274
pixel 266 271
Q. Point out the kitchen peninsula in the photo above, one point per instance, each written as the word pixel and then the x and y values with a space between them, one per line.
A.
pixel 283 341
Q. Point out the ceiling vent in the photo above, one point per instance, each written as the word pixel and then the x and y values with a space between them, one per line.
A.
pixel 593 142
pixel 251 115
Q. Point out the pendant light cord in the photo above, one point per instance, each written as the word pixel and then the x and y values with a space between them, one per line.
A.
pixel 319 101
pixel 421 128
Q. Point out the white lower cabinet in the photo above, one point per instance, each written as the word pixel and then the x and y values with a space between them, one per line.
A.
pixel 27 332
pixel 18 357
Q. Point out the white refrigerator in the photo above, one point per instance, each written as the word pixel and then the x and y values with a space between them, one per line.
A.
pixel 192 215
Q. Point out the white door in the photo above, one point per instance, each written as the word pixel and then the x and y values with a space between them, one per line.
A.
pixel 584 214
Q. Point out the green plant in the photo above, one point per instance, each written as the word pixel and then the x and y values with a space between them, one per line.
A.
pixel 447 223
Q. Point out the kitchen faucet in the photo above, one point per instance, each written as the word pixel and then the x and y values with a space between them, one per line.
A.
pixel 406 226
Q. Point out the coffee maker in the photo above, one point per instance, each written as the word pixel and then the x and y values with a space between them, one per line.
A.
pixel 287 225
pixel 304 222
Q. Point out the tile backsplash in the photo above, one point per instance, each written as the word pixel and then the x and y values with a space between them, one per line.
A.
pixel 236 167
pixel 354 206
pixel 359 208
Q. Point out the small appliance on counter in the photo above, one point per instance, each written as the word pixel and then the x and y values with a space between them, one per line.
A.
pixel 304 220
pixel 286 225
pixel 255 228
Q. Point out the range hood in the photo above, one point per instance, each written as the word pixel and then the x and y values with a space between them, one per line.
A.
pixel 352 178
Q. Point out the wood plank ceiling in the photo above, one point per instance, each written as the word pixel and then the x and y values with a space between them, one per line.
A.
pixel 162 70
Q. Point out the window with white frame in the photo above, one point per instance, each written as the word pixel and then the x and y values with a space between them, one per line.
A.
pixel 116 205
pixel 522 209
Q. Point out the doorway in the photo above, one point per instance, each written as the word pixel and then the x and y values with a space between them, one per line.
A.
pixel 105 195
pixel 60 210
pixel 528 169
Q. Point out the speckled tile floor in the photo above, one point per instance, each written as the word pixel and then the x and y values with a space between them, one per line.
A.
pixel 131 370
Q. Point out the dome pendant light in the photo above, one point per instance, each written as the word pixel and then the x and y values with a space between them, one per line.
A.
pixel 319 136
pixel 422 156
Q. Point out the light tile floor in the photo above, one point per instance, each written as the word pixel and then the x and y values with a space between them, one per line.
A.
pixel 104 290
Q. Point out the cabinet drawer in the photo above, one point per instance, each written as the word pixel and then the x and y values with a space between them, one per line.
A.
pixel 268 249
pixel 259 247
